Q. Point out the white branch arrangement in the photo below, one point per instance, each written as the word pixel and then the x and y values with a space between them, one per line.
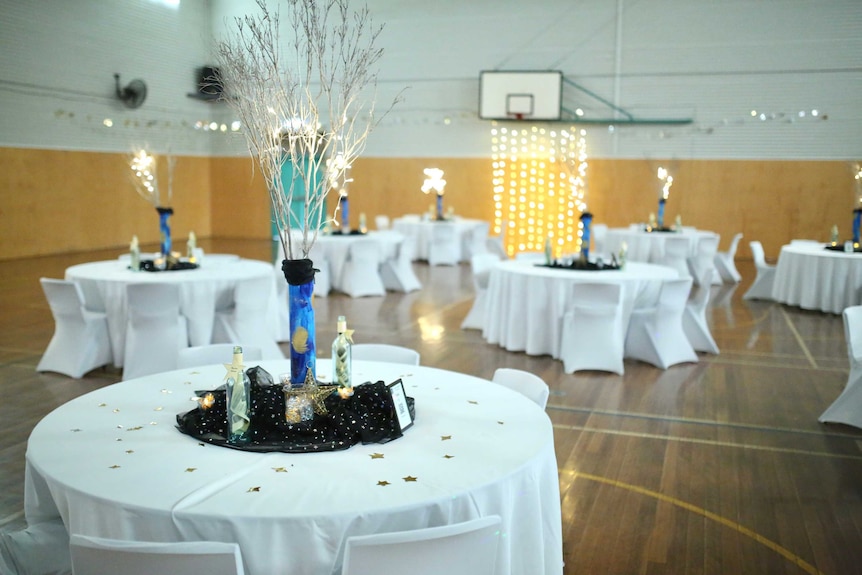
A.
pixel 573 158
pixel 312 106
pixel 146 179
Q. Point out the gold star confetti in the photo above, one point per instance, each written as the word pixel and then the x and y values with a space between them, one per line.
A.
pixel 445 437
pixel 116 410
pixel 376 456
pixel 75 430
pixel 280 469
pixel 114 467
pixel 501 423
pixel 118 439
pixel 136 428
pixel 409 479
pixel 383 483
pixel 191 469
pixel 102 405
pixel 447 456
pixel 130 451
pixel 253 490
pixel 158 408
pixel 472 402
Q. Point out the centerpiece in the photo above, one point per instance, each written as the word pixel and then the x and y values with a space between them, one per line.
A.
pixel 435 182
pixel 667 181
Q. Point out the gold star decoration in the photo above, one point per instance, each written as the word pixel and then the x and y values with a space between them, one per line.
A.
pixel 376 456
pixel 235 372
pixel 447 456
pixel 130 451
pixel 116 410
pixel 501 423
pixel 159 408
pixel 445 437
pixel 253 490
pixel 136 428
pixel 472 402
pixel 383 483
pixel 75 430
pixel 409 479
pixel 114 467
pixel 316 393
pixel 191 469
pixel 280 469
pixel 102 405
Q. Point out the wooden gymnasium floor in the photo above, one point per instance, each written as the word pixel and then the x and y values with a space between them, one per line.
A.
pixel 714 467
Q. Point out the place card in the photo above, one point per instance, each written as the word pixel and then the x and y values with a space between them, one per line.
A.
pixel 399 400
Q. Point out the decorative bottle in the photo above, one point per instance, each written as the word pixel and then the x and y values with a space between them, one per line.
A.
pixel 548 258
pixel 341 355
pixel 135 254
pixel 238 400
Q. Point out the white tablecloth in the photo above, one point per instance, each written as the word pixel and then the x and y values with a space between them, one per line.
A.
pixel 202 290
pixel 336 249
pixel 421 229
pixel 112 464
pixel 649 246
pixel 811 277
pixel 526 302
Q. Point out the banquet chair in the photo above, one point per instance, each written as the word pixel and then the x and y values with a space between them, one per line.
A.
pixel 381 222
pixel 497 244
pixel 480 265
pixel 323 275
pixel 155 329
pixel 702 263
pixel 215 353
pixel 249 321
pixel 694 321
pixel 468 548
pixel 475 241
pixel 42 547
pixel 282 332
pixel 397 273
pixel 676 255
pixel 655 335
pixel 528 384
pixel 101 556
pixel 847 408
pixel 535 257
pixel 444 248
pixel 724 262
pixel 361 273
pixel 599 233
pixel 592 332
pixel 762 286
pixel 384 352
pixel 80 342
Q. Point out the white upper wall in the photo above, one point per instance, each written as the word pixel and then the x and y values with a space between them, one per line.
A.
pixel 712 62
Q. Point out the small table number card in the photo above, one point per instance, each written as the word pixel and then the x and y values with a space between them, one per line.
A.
pixel 399 399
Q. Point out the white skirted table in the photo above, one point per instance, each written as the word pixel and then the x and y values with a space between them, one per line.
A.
pixel 421 229
pixel 111 463
pixel 526 302
pixel 811 277
pixel 337 247
pixel 646 246
pixel 202 291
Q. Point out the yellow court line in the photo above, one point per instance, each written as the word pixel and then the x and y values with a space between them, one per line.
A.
pixel 706 442
pixel 768 543
pixel 798 338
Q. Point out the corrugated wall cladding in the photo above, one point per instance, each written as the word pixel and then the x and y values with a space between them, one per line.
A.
pixel 712 62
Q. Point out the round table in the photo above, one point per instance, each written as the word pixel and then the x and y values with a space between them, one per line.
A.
pixel 526 302
pixel 111 463
pixel 646 246
pixel 337 247
pixel 202 291
pixel 811 277
pixel 421 230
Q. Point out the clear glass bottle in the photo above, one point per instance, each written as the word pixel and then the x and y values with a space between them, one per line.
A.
pixel 238 400
pixel 135 255
pixel 341 355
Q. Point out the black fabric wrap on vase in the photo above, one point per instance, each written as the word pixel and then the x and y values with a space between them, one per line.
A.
pixel 298 272
pixel 366 417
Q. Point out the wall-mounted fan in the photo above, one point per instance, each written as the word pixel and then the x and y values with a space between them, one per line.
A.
pixel 134 94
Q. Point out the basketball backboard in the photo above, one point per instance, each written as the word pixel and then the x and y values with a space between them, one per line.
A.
pixel 528 95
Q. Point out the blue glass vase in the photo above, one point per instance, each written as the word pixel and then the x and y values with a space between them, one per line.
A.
pixel 303 351
pixel 165 229
pixel 660 219
pixel 345 214
pixel 857 216
pixel 439 206
pixel 586 219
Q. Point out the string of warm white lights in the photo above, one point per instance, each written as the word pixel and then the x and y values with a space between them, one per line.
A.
pixel 539 187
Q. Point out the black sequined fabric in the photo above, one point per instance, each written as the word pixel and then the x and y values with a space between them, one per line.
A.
pixel 366 417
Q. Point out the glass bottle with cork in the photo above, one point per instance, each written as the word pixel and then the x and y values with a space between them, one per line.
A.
pixel 341 358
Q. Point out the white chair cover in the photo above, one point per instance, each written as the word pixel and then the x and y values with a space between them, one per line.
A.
pixel 702 263
pixel 397 274
pixel 847 408
pixel 656 335
pixel 215 353
pixel 361 274
pixel 599 235
pixel 480 265
pixel 384 352
pixel 444 249
pixel 382 222
pixel 694 320
pixel 80 342
pixel 497 244
pixel 475 240
pixel 155 330
pixel 468 548
pixel 530 257
pixel 100 556
pixel 676 255
pixel 249 321
pixel 724 262
pixel 323 277
pixel 592 332
pixel 530 385
pixel 762 286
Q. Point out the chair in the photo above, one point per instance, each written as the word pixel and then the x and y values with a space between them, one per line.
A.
pixel 480 265
pixel 382 222
pixel 724 262
pixel 497 244
pixel 536 257
pixel 444 248
pixel 676 255
pixel 703 260
pixel 762 286
pixel 215 353
pixel 655 335
pixel 100 556
pixel 592 332
pixel 323 275
pixel 847 408
pixel 475 241
pixel 360 276
pixel 80 342
pixel 530 385
pixel 384 352
pixel 468 548
pixel 250 321
pixel 155 329
pixel 694 321
pixel 397 274
pixel 599 233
